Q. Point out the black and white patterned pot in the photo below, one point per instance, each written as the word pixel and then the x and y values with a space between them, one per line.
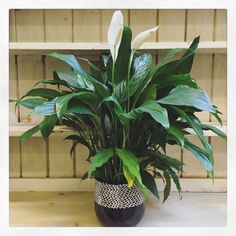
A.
pixel 118 205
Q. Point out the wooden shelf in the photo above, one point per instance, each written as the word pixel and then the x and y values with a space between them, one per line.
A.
pixel 19 128
pixel 32 48
pixel 76 209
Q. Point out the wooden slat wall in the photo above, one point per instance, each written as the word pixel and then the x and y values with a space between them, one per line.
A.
pixel 39 158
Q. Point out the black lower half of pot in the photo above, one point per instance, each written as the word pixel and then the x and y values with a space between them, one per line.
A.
pixel 119 217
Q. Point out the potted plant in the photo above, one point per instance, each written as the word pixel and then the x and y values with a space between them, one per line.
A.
pixel 126 113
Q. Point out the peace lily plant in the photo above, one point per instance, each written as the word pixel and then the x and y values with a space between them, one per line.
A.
pixel 128 111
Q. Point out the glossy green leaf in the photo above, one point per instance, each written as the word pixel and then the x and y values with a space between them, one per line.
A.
pixel 200 154
pixel 167 186
pixel 47 125
pixel 149 182
pixel 100 159
pixel 43 92
pixel 31 103
pixel 158 113
pixel 185 96
pixel 29 133
pixel 214 130
pixel 178 133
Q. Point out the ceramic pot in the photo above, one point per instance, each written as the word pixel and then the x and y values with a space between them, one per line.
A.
pixel 118 205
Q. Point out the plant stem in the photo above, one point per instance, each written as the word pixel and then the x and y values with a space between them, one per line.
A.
pixel 113 69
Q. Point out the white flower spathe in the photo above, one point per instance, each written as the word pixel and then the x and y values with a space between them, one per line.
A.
pixel 115 33
pixel 141 38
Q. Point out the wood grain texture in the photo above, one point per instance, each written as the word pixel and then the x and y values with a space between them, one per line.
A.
pixel 141 20
pixel 200 22
pixel 14 158
pixel 220 85
pixel 221 25
pixel 192 167
pixel 30 71
pixel 106 20
pixel 171 25
pixel 13 90
pixel 30 25
pixel 76 209
pixel 34 158
pixel 60 162
pixel 220 156
pixel 202 73
pixel 58 25
pixel 87 25
pixel 12 26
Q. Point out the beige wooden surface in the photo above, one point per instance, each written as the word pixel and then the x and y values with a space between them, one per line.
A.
pixel 76 209
pixel 36 158
pixel 58 25
pixel 171 25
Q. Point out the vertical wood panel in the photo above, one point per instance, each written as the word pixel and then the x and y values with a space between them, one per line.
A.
pixel 34 158
pixel 30 71
pixel 192 167
pixel 220 156
pixel 81 164
pixel 221 25
pixel 200 22
pixel 14 158
pixel 60 162
pixel 29 26
pixel 220 85
pixel 171 25
pixel 13 116
pixel 58 25
pixel 106 20
pixel 202 73
pixel 87 25
pixel 141 20
pixel 12 28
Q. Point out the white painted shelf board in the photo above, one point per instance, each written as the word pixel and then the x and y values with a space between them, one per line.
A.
pixel 18 128
pixel 75 209
pixel 204 47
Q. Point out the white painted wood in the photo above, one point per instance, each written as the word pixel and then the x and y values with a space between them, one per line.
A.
pixel 19 128
pixel 76 184
pixel 76 209
pixel 218 47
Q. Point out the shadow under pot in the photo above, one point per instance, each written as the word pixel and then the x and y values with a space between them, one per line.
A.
pixel 118 205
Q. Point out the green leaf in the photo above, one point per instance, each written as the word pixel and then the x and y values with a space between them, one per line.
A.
pixel 158 113
pixel 29 133
pixel 196 125
pixel 122 61
pixel 141 68
pixel 42 92
pixel 99 159
pixel 185 96
pixel 31 103
pixel 47 125
pixel 131 162
pixel 200 154
pixel 149 182
pixel 129 177
pixel 167 186
pixel 175 80
pixel 215 130
pixel 178 133
pixel 78 139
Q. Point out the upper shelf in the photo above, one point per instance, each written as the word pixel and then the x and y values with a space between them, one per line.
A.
pixel 19 128
pixel 32 48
